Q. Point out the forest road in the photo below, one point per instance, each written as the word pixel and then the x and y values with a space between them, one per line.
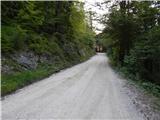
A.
pixel 90 90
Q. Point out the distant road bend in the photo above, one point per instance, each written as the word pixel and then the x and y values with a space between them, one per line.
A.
pixel 90 90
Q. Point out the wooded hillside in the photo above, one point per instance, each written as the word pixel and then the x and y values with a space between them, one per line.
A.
pixel 39 38
pixel 132 38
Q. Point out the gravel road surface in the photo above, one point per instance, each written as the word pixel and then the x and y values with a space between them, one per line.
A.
pixel 90 90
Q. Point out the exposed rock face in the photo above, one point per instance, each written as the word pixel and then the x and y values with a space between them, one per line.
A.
pixel 27 59
pixel 7 69
pixel 46 59
pixel 24 61
pixel 82 53
pixel 43 58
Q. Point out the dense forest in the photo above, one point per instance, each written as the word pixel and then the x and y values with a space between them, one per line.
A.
pixel 132 38
pixel 40 38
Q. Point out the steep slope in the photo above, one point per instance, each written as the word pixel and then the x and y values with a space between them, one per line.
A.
pixel 39 38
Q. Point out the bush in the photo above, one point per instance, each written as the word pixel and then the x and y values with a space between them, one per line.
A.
pixel 143 59
pixel 41 44
pixel 13 38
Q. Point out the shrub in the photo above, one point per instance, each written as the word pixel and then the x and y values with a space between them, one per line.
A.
pixel 13 38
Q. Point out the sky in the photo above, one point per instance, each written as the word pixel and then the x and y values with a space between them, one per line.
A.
pixel 90 4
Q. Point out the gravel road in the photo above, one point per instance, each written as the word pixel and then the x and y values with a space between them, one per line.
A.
pixel 90 90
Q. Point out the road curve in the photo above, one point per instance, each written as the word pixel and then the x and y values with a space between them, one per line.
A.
pixel 90 90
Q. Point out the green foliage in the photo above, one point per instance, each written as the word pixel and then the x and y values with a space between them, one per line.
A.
pixel 155 89
pixel 10 11
pixel 148 87
pixel 13 38
pixel 18 80
pixel 133 39
pixel 56 29
pixel 41 45
pixel 33 24
pixel 143 59
pixel 87 39
pixel 77 19
pixel 30 16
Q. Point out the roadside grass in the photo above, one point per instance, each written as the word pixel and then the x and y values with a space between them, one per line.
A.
pixel 150 89
pixel 147 86
pixel 12 82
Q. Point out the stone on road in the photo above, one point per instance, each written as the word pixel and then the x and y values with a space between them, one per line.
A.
pixel 90 90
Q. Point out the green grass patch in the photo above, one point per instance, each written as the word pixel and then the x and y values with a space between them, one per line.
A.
pixel 12 82
pixel 146 85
